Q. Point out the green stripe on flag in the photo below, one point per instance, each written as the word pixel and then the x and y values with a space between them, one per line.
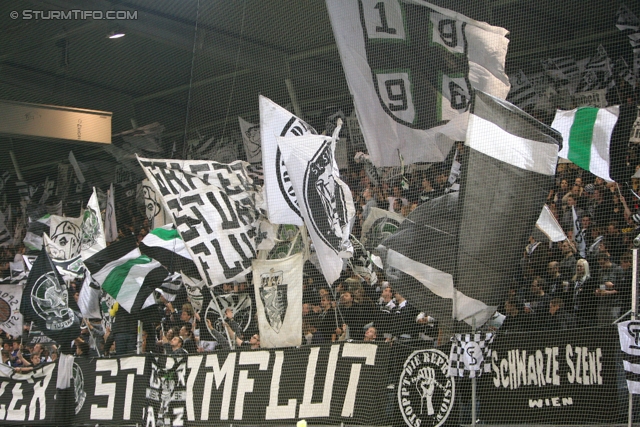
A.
pixel 164 234
pixel 581 135
pixel 116 277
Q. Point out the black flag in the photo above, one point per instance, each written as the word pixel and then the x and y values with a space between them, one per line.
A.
pixel 45 301
pixel 461 248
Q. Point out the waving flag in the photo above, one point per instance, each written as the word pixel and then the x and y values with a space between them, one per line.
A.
pixel 586 132
pixel 45 301
pixel 131 279
pixel 275 121
pixel 325 200
pixel 598 72
pixel 411 68
pixel 522 93
pixel 35 231
pixel 110 227
pixel 65 237
pixel 460 236
pixel 93 239
pixel 549 225
pixel 251 140
pixel 5 234
pixel 628 333
pixel 165 245
pixel 470 355
pixel 215 207
pixel 629 23
pixel 561 69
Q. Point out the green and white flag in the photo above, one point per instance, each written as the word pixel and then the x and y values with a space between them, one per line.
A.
pixel 586 135
pixel 130 280
pixel 166 245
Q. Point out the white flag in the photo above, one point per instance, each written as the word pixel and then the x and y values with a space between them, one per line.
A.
pixel 629 334
pixel 325 200
pixel 110 227
pixel 278 296
pixel 65 237
pixel 93 239
pixel 155 213
pixel 548 224
pixel 392 63
pixel 10 316
pixel 251 141
pixel 275 122
pixel 89 298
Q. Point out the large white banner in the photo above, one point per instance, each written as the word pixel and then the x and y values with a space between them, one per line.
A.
pixel 214 207
pixel 325 200
pixel 278 296
pixel 276 122
pixel 411 79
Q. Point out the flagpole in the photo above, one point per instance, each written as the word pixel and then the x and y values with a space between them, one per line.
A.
pixel 139 338
pixel 634 303
pixel 473 385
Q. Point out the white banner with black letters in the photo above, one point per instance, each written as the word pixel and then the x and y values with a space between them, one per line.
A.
pixel 278 297
pixel 215 209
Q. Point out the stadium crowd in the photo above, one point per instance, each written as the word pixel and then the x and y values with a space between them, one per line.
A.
pixel 556 285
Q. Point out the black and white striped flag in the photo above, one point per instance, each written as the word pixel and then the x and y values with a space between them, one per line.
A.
pixel 23 190
pixel 5 235
pixel 4 178
pixel 629 333
pixel 562 68
pixel 597 73
pixel 170 286
pixel 522 92
pixel 470 355
pixel 623 72
pixel 626 19
pixel 629 23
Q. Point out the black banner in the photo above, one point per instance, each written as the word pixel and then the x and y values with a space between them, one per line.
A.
pixel 29 397
pixel 109 390
pixel 557 378
pixel 326 384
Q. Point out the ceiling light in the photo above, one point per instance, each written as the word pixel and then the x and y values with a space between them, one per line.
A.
pixel 115 34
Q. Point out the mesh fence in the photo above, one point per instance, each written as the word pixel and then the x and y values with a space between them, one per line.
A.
pixel 349 212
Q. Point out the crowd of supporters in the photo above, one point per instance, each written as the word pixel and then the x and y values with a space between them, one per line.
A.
pixel 582 281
